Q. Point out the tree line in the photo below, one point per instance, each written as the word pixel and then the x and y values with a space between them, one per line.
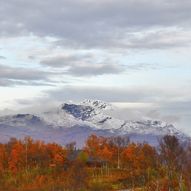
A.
pixel 105 163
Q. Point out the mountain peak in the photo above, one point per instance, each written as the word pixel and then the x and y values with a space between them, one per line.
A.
pixel 83 119
pixel 97 104
pixel 86 109
pixel 79 111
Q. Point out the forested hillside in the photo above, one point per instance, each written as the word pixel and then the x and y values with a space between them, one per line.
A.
pixel 104 164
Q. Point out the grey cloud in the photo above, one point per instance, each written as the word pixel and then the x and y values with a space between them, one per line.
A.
pixel 7 112
pixel 98 69
pixel 91 23
pixel 6 82
pixel 159 39
pixel 184 105
pixel 143 66
pixel 11 83
pixel 83 65
pixel 10 76
pixel 116 94
pixel 68 60
pixel 31 57
pixel 21 73
pixel 2 57
pixel 148 66
pixel 156 114
pixel 164 39
pixel 88 65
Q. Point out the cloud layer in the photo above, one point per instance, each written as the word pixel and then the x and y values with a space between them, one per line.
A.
pixel 89 23
pixel 10 76
pixel 83 65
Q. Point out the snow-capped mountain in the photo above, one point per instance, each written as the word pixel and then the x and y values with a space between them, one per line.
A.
pixel 76 121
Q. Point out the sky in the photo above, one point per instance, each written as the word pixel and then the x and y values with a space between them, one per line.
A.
pixel 133 53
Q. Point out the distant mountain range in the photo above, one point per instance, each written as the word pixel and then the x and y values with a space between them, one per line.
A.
pixel 75 122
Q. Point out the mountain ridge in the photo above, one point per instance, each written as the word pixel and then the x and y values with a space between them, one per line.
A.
pixel 76 121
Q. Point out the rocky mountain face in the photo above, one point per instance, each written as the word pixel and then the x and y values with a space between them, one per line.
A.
pixel 75 122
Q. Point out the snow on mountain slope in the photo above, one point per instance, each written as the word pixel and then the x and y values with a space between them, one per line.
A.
pixel 75 122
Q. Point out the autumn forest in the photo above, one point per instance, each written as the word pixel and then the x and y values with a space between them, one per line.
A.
pixel 104 164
